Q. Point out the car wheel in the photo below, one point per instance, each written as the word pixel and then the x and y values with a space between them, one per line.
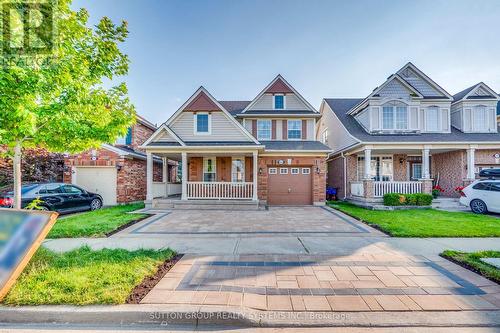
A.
pixel 478 206
pixel 95 204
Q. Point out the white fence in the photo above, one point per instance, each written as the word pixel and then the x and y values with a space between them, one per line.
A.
pixel 357 189
pixel 219 190
pixel 381 188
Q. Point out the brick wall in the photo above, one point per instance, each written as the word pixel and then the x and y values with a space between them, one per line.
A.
pixel 487 157
pixel 400 170
pixel 451 168
pixel 140 134
pixel 131 179
pixel 335 175
pixel 318 180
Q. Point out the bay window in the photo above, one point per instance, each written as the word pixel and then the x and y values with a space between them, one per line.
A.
pixel 394 116
pixel 480 119
pixel 432 119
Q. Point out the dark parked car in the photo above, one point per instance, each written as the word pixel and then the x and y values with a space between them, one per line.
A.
pixel 59 197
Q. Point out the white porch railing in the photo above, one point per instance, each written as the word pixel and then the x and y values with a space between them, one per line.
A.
pixel 381 188
pixel 357 189
pixel 219 190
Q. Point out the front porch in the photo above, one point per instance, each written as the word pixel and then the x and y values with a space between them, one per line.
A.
pixel 374 171
pixel 207 178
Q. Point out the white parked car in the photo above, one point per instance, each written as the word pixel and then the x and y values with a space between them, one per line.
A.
pixel 482 196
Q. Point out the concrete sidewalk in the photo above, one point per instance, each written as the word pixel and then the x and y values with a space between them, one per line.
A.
pixel 279 244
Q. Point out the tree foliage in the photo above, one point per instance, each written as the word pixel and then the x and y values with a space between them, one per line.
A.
pixel 60 101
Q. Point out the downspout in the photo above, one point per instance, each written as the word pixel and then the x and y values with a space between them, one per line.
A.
pixel 345 175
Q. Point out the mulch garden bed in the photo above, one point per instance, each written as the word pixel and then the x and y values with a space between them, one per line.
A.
pixel 141 290
pixel 125 226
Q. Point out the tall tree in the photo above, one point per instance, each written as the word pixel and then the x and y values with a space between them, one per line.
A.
pixel 60 101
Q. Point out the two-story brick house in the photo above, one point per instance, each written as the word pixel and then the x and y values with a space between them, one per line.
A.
pixel 118 171
pixel 407 135
pixel 263 150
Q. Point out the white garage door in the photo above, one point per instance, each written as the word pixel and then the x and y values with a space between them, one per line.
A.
pixel 100 180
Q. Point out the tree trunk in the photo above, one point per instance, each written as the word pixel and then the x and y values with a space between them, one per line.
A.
pixel 17 175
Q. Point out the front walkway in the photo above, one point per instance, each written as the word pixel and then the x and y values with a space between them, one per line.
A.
pixel 301 259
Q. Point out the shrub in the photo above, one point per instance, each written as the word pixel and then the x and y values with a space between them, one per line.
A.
pixel 436 191
pixel 416 199
pixel 394 199
pixel 424 199
pixel 411 199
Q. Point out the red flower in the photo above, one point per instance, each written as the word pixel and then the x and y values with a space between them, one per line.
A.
pixel 438 188
pixel 459 188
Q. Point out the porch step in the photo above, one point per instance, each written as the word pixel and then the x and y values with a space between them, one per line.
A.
pixel 205 204
pixel 451 204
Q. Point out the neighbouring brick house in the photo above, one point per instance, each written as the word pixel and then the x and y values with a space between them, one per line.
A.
pixel 262 150
pixel 408 135
pixel 118 172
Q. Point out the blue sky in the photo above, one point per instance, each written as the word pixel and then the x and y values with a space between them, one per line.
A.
pixel 323 48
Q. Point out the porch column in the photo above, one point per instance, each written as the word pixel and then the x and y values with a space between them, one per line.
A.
pixel 255 175
pixel 184 176
pixel 164 170
pixel 471 174
pixel 149 176
pixel 368 164
pixel 425 163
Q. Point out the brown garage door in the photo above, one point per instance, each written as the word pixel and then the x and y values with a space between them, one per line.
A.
pixel 289 186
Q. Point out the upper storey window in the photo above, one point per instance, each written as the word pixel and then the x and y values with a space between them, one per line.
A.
pixel 395 116
pixel 294 129
pixel 279 101
pixel 480 119
pixel 264 129
pixel 202 122
pixel 432 119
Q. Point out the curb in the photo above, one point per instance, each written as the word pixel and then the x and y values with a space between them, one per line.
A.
pixel 160 315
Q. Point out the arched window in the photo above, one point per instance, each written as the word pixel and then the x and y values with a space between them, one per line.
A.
pixel 394 116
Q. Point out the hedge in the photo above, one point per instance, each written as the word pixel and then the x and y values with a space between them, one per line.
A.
pixel 416 199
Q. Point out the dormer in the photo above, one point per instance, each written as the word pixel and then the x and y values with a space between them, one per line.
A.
pixel 474 109
pixel 408 102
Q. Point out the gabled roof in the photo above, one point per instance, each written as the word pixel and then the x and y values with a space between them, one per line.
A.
pixel 341 107
pixel 279 83
pixel 427 79
pixel 146 122
pixel 202 98
pixel 467 93
pixel 234 107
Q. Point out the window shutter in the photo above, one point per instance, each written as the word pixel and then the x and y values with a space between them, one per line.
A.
pixel 128 139
pixel 254 127
pixel 273 129
pixel 285 129
pixel 304 129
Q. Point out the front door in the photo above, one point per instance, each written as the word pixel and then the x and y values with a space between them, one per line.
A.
pixel 289 186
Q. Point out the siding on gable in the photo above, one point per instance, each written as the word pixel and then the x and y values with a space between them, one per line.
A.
pixel 364 118
pixel 165 137
pixel 418 82
pixel 338 136
pixel 292 102
pixel 395 89
pixel 222 128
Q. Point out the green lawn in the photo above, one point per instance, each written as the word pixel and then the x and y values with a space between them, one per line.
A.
pixel 95 223
pixel 472 260
pixel 83 276
pixel 424 222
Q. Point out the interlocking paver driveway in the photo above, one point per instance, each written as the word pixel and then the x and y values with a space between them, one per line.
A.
pixel 360 282
pixel 276 220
